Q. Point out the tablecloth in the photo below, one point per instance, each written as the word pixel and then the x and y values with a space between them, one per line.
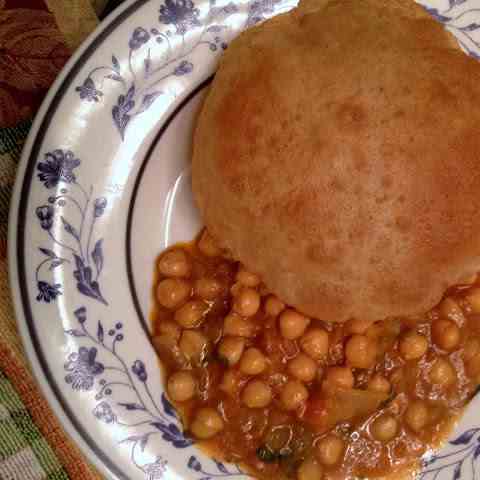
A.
pixel 36 39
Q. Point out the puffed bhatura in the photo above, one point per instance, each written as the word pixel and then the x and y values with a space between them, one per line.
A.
pixel 337 156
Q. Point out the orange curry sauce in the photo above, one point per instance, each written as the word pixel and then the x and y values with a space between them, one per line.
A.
pixel 359 400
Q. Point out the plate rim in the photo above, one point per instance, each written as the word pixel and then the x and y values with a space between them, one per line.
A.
pixel 23 308
pixel 15 242
pixel 130 214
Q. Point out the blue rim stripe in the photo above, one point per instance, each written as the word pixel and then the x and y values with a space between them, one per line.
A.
pixel 131 208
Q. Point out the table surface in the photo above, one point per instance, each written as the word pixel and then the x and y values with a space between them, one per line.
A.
pixel 33 446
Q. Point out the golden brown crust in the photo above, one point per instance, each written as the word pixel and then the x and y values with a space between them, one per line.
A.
pixel 338 156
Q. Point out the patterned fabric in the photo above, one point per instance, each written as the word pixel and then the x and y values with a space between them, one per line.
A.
pixel 24 452
pixel 32 52
pixel 36 39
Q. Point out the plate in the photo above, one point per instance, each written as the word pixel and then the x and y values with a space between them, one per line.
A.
pixel 103 187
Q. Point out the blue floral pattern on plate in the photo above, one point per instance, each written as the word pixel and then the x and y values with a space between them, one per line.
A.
pixel 95 364
pixel 124 388
pixel 183 18
pixel 137 97
pixel 221 470
pixel 121 390
pixel 463 23
pixel 58 168
pixel 455 462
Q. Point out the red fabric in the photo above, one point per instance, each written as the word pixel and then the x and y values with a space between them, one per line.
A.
pixel 32 51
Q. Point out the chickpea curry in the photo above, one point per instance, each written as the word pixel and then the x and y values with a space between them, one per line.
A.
pixel 260 384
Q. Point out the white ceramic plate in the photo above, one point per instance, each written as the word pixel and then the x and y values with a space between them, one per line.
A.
pixel 103 187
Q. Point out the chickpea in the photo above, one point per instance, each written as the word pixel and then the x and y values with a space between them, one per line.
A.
pixel 174 263
pixel 293 324
pixel 442 373
pixel 472 366
pixel 208 288
pixel 274 306
pixel 314 343
pixel 302 367
pixel 445 334
pixel 181 386
pixel 170 329
pixel 361 351
pixel 384 428
pixel 207 423
pixel 169 349
pixel 247 302
pixel 473 298
pixel 253 362
pixel 309 469
pixel 193 345
pixel 451 309
pixel 413 346
pixel 207 245
pixel 231 349
pixel 231 382
pixel 330 450
pixel 246 278
pixel 173 292
pixel 235 289
pixel 236 325
pixel 416 416
pixel 192 314
pixel 257 394
pixel 357 325
pixel 341 377
pixel 378 383
pixel 294 395
pixel 397 378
